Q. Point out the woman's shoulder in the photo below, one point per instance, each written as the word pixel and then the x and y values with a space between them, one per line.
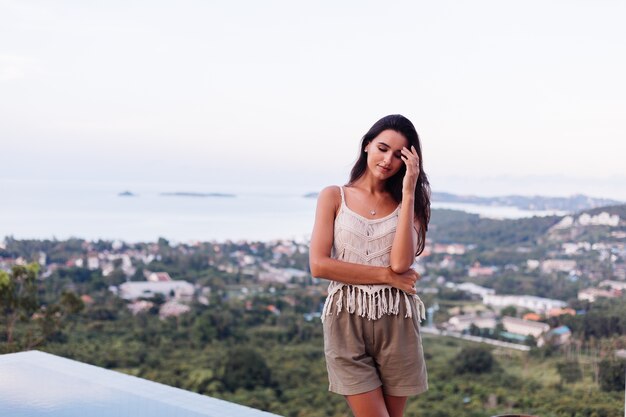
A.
pixel 330 197
pixel 331 192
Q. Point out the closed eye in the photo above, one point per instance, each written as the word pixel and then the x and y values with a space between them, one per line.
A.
pixel 384 149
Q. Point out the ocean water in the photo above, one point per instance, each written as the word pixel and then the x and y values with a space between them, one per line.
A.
pixel 89 210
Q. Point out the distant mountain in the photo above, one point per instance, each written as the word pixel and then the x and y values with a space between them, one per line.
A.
pixel 127 194
pixel 573 203
pixel 452 226
pixel 188 194
pixel 570 204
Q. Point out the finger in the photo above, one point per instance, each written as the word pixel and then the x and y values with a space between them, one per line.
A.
pixel 407 156
pixel 414 153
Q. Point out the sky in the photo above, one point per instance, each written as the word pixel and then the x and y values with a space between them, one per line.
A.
pixel 509 97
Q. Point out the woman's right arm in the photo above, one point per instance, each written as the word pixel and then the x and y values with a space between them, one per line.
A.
pixel 323 266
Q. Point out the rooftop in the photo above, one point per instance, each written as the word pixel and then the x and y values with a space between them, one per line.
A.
pixel 34 384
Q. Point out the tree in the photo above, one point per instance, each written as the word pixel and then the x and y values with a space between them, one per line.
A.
pixel 245 368
pixel 473 359
pixel 510 311
pixel 569 371
pixel 18 297
pixel 611 375
pixel 27 322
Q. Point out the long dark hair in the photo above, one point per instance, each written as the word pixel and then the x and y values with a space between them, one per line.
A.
pixel 393 185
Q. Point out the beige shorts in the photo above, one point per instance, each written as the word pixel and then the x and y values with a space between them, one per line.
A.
pixel 362 354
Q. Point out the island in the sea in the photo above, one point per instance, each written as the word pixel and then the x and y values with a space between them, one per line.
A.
pixel 127 194
pixel 192 194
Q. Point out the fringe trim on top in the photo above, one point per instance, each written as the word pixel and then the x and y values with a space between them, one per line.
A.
pixel 372 304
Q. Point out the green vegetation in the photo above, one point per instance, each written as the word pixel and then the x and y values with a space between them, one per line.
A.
pixel 258 343
pixel 473 359
pixel 453 226
pixel 275 362
pixel 27 323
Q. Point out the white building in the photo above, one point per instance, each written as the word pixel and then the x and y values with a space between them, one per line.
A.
pixel 173 309
pixel 558 265
pixel 592 294
pixel 536 304
pixel 602 219
pixel 465 321
pixel 472 288
pixel 282 275
pixel 614 285
pixel 524 327
pixel 144 289
pixel 451 249
pixel 93 262
pixel 532 264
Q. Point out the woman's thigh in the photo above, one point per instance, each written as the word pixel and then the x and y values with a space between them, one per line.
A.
pixel 375 404
pixel 368 404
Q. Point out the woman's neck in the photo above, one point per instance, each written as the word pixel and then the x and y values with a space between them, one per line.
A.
pixel 370 184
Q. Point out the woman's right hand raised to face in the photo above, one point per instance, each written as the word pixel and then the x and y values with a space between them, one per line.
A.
pixel 404 281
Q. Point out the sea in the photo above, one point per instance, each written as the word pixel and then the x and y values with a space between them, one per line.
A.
pixel 40 209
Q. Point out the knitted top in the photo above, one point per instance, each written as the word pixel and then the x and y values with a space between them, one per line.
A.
pixel 368 242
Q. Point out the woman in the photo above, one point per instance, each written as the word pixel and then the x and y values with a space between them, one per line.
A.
pixel 365 239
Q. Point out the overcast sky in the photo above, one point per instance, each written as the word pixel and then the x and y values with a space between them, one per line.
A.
pixel 280 92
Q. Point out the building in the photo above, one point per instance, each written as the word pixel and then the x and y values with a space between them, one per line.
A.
pixel 281 275
pixel 451 249
pixel 592 294
pixel 475 289
pixel 464 322
pixel 145 289
pixel 558 336
pixel 614 285
pixel 558 265
pixel 556 312
pixel 532 317
pixel 602 219
pixel 537 304
pixel 159 277
pixel 480 271
pixel 173 309
pixel 524 327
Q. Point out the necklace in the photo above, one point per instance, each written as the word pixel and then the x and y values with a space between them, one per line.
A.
pixel 373 211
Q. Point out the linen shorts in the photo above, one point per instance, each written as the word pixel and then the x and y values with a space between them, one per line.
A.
pixel 362 355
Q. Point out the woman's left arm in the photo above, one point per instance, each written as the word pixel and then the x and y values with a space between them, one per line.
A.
pixel 405 240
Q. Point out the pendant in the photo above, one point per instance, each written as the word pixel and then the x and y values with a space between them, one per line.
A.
pixel 373 212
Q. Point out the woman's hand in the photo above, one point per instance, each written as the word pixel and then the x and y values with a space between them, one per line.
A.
pixel 405 281
pixel 411 161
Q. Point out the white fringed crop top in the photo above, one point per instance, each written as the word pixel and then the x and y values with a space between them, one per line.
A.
pixel 368 242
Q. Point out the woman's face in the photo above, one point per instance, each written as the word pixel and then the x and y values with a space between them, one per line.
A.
pixel 383 154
